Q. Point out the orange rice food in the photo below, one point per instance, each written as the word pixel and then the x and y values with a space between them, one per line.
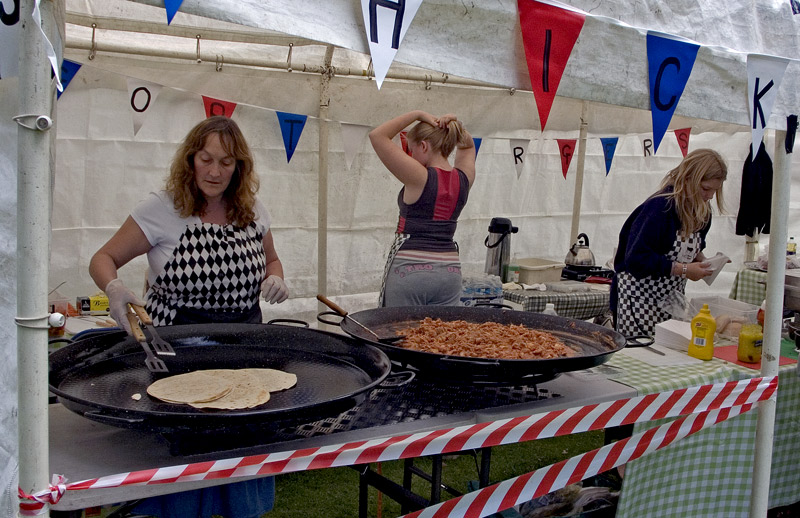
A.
pixel 484 340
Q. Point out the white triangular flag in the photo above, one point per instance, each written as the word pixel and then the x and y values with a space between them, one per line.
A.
pixel 764 76
pixel 352 140
pixel 386 23
pixel 141 95
pixel 519 146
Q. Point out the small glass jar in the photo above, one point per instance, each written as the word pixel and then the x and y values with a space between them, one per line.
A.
pixel 750 339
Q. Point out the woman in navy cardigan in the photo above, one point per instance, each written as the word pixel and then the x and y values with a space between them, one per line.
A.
pixel 661 243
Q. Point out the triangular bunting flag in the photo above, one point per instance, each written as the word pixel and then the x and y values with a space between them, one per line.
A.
pixel 403 139
pixel 68 71
pixel 386 23
pixel 566 147
pixel 764 76
pixel 683 139
pixel 519 146
pixel 609 147
pixel 172 7
pixel 292 125
pixel 548 35
pixel 352 139
pixel 142 95
pixel 670 62
pixel 477 142
pixel 218 107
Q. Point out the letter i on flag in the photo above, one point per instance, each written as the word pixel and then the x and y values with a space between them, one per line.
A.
pixel 292 126
pixel 548 35
pixel 764 76
pixel 566 148
pixel 386 23
pixel 609 147
pixel 670 62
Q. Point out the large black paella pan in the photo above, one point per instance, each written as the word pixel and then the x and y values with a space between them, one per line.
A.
pixel 592 343
pixel 104 377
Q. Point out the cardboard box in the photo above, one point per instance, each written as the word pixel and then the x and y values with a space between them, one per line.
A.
pixel 533 270
pixel 93 305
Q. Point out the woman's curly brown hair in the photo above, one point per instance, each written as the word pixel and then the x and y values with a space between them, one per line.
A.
pixel 240 196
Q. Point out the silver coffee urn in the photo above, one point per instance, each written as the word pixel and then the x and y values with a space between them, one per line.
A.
pixel 498 246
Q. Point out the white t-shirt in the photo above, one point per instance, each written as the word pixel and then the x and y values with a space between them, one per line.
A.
pixel 163 226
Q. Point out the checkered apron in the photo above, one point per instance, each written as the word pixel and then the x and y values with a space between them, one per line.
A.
pixel 642 301
pixel 213 268
pixel 399 240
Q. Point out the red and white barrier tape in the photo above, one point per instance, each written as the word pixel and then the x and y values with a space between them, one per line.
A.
pixel 37 503
pixel 523 488
pixel 693 400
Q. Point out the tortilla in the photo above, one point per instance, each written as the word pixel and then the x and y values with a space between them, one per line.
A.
pixel 274 380
pixel 248 391
pixel 191 387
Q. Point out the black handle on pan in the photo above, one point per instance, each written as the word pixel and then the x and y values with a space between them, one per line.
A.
pixel 332 313
pixel 300 323
pixel 639 341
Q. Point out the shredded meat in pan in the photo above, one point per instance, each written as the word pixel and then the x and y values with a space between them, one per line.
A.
pixel 485 340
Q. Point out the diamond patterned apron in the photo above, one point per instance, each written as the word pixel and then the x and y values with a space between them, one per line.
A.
pixel 215 270
pixel 642 302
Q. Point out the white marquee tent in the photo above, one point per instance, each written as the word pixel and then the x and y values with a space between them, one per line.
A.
pixel 334 210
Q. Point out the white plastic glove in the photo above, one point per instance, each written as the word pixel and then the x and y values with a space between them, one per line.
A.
pixel 119 296
pixel 274 289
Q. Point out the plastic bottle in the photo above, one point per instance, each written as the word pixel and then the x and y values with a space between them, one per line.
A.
pixel 703 328
pixel 791 247
pixel 750 340
pixel 549 309
pixel 512 271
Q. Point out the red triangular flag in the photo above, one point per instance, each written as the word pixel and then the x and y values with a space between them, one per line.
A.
pixel 548 35
pixel 683 139
pixel 566 147
pixel 218 107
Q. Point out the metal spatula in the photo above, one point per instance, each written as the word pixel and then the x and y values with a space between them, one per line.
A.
pixel 159 345
pixel 153 364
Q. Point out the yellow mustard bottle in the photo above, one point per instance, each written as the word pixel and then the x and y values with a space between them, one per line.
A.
pixel 750 340
pixel 703 328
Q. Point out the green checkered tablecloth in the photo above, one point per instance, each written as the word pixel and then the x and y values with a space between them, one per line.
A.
pixel 708 474
pixel 581 305
pixel 749 286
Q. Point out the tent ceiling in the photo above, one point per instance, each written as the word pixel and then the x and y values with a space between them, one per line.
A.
pixel 481 41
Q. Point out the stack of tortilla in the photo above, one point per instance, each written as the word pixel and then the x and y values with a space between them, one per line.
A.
pixel 228 389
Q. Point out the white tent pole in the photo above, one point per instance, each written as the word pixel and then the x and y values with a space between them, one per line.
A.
pixel 33 249
pixel 322 181
pixel 576 199
pixel 778 229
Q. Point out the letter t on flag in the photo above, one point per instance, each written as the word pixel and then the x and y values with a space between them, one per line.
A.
pixel 548 35
pixel 386 23
pixel 292 125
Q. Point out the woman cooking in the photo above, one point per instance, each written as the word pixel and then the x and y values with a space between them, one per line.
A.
pixel 210 255
pixel 423 267
pixel 661 243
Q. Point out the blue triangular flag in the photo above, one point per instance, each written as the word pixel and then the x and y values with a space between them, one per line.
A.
pixel 292 126
pixel 477 141
pixel 172 7
pixel 609 146
pixel 68 71
pixel 670 63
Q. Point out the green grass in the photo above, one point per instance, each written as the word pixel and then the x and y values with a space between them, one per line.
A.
pixel 333 492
